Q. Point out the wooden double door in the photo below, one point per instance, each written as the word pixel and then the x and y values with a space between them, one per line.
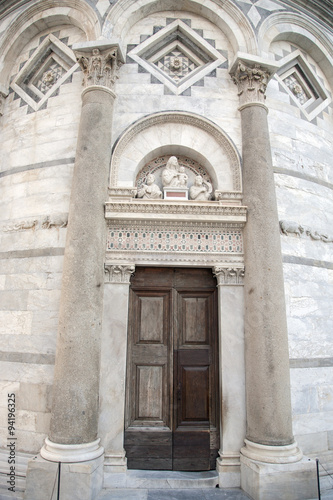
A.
pixel 172 370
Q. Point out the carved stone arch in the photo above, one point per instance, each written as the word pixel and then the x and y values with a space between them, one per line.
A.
pixel 301 31
pixel 176 133
pixel 226 15
pixel 37 18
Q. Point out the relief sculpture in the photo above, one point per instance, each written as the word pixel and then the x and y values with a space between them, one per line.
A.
pixel 150 191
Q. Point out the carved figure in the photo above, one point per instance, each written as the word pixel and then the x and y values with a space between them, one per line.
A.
pixel 182 177
pixel 291 227
pixel 56 221
pixel 314 235
pixel 150 190
pixel 326 238
pixel 170 173
pixel 201 189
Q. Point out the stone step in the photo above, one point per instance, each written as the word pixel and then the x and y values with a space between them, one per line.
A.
pixel 144 479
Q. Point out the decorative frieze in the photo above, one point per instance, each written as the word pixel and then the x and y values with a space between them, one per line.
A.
pixel 100 67
pixel 229 275
pixel 200 238
pixel 118 273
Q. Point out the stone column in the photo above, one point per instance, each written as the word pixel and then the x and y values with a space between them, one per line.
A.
pixel 269 436
pixel 75 408
pixel 231 373
pixel 113 365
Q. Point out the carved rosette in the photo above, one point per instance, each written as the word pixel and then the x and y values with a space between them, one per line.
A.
pixel 118 273
pixel 229 275
pixel 100 67
pixel 251 81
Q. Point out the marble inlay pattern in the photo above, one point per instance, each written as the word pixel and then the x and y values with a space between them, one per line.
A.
pixel 172 238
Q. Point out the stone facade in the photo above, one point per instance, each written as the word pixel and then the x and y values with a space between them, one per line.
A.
pixel 159 79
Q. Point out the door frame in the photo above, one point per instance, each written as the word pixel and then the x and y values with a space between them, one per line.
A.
pixel 231 365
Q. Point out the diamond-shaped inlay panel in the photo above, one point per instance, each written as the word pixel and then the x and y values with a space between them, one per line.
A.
pixel 48 67
pixel 305 89
pixel 177 56
pixel 176 65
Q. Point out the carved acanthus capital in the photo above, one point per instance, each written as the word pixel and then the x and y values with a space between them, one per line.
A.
pixel 100 67
pixel 115 273
pixel 229 275
pixel 251 75
pixel 3 96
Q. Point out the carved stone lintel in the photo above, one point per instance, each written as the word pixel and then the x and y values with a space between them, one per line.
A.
pixel 100 67
pixel 229 275
pixel 118 273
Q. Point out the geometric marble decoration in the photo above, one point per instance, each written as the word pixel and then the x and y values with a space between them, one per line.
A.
pixel 300 81
pixel 51 64
pixel 177 56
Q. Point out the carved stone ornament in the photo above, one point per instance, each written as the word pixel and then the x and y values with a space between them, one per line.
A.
pixel 100 67
pixel 46 222
pixel 118 273
pixel 229 275
pixel 251 81
pixel 288 227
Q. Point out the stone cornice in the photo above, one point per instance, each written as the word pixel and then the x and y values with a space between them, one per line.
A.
pixel 175 211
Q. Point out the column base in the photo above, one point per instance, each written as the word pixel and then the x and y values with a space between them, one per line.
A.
pixel 292 481
pixel 228 468
pixel 78 481
pixel 272 454
pixel 115 462
pixel 64 453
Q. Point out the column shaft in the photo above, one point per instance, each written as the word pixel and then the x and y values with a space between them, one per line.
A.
pixel 76 383
pixel 266 338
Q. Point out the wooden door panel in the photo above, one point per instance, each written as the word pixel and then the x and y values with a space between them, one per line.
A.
pixel 194 395
pixel 171 403
pixel 150 382
pixel 151 319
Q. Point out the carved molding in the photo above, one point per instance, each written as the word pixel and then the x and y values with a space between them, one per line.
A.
pixel 100 67
pixel 155 208
pixel 229 275
pixel 118 273
pixel 175 259
pixel 184 119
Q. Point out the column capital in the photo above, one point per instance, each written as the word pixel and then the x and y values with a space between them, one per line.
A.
pixel 100 62
pixel 115 273
pixel 3 96
pixel 251 74
pixel 229 275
